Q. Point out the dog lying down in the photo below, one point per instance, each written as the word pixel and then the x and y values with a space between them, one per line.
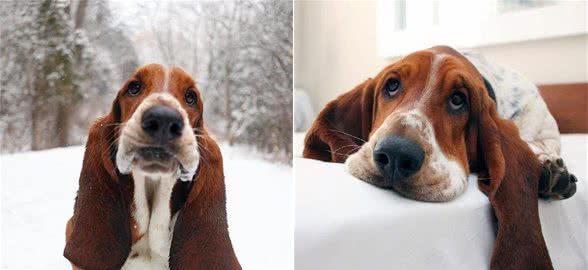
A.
pixel 422 124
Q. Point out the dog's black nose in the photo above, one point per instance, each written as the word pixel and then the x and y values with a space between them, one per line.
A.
pixel 162 123
pixel 398 157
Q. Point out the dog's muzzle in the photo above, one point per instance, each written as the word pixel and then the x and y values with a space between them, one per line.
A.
pixel 398 157
pixel 162 125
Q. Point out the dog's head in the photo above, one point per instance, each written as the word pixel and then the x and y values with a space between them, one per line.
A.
pixel 421 125
pixel 159 109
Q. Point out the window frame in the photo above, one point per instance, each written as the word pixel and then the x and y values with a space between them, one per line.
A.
pixel 481 26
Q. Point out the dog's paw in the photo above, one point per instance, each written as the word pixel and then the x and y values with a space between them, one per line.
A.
pixel 556 182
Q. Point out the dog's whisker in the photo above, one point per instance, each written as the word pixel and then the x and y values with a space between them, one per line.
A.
pixel 344 133
pixel 201 147
pixel 134 138
pixel 345 155
pixel 112 144
pixel 353 147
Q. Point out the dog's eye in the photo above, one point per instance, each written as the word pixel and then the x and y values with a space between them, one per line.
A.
pixel 190 97
pixel 392 87
pixel 134 88
pixel 457 101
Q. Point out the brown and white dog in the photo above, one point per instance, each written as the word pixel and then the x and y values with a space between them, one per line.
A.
pixel 424 123
pixel 151 191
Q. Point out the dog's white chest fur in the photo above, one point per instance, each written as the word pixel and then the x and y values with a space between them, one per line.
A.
pixel 153 219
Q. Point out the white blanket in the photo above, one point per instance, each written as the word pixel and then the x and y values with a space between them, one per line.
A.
pixel 344 223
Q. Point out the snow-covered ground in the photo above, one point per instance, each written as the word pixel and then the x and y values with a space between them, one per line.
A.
pixel 38 190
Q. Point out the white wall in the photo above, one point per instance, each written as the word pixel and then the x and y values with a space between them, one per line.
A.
pixel 336 48
pixel 560 60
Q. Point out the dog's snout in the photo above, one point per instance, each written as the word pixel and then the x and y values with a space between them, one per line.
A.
pixel 398 157
pixel 162 123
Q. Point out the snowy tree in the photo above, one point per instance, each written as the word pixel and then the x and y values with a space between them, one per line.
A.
pixel 15 83
pixel 54 77
pixel 249 71
pixel 53 74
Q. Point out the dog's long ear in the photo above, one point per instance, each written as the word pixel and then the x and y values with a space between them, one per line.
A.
pixel 201 237
pixel 509 174
pixel 342 125
pixel 99 236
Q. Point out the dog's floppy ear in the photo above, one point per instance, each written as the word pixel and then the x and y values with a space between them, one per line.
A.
pixel 99 235
pixel 489 145
pixel 509 174
pixel 342 126
pixel 201 237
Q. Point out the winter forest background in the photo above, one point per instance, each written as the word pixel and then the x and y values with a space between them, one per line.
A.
pixel 62 62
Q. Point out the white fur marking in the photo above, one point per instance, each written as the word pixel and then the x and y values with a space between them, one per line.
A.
pixel 166 79
pixel 155 223
pixel 432 78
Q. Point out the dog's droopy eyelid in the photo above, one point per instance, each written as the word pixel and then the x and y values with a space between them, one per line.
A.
pixel 134 87
pixel 461 95
pixel 190 96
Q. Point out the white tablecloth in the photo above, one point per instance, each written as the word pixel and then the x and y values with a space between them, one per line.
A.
pixel 344 223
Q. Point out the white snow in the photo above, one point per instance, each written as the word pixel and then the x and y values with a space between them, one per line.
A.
pixel 38 191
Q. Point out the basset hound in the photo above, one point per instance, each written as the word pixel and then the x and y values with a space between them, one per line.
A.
pixel 151 190
pixel 428 120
